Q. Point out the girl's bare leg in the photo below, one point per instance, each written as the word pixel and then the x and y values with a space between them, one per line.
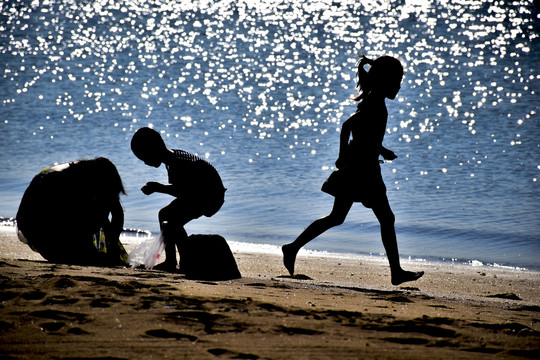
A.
pixel 336 217
pixel 386 218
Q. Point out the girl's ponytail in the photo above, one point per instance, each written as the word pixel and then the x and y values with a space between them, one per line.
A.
pixel 362 83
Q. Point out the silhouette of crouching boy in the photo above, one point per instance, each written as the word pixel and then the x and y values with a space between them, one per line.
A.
pixel 194 182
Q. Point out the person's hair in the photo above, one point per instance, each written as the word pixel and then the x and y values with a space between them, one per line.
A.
pixel 382 70
pixel 111 172
pixel 146 140
pixel 99 173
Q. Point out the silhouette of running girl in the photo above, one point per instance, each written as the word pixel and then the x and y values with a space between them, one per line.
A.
pixel 358 178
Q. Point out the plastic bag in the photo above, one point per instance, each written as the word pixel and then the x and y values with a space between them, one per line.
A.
pixel 147 253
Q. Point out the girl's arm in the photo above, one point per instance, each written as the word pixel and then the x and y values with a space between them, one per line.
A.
pixel 387 154
pixel 344 143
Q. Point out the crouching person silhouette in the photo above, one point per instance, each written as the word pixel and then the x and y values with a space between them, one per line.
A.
pixel 64 213
pixel 194 182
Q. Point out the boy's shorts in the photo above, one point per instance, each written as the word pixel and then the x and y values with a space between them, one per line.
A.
pixel 197 206
pixel 212 204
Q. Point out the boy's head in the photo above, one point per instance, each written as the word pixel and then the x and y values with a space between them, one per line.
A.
pixel 148 146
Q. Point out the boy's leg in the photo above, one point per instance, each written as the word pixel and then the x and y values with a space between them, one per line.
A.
pixel 170 238
pixel 171 231
pixel 172 219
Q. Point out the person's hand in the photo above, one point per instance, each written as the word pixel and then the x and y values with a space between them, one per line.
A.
pixel 149 188
pixel 364 60
pixel 340 162
pixel 388 154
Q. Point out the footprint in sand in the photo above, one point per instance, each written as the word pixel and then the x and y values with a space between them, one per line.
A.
pixel 166 334
pixel 430 328
pixel 299 331
pixel 5 326
pixel 54 282
pixel 231 354
pixel 52 326
pixel 59 315
pixel 77 331
pixel 407 340
pixel 507 296
pixel 33 295
pixel 60 300
pixel 103 302
pixel 8 295
pixel 212 323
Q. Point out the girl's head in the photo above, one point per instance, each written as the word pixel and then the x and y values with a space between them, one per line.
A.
pixel 148 146
pixel 383 77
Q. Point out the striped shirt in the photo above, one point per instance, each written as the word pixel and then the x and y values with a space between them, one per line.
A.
pixel 193 175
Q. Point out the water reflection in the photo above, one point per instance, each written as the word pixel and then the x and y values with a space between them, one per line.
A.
pixel 268 83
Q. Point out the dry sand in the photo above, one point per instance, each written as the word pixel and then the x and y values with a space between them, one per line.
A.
pixel 340 309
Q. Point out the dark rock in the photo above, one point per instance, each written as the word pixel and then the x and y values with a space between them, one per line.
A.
pixel 208 257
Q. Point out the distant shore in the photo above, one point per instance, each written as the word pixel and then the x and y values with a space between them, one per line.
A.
pixel 338 308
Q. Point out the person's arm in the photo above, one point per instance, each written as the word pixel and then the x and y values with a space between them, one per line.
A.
pixel 117 218
pixel 114 227
pixel 387 154
pixel 152 187
pixel 112 230
pixel 344 143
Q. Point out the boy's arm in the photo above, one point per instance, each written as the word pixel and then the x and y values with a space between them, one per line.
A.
pixel 152 187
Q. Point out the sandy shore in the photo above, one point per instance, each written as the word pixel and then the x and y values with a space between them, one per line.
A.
pixel 340 309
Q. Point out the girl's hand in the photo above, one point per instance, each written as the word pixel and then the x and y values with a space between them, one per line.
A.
pixel 150 188
pixel 364 60
pixel 388 154
pixel 340 162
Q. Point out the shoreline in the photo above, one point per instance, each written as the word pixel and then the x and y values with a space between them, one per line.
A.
pixel 128 235
pixel 339 308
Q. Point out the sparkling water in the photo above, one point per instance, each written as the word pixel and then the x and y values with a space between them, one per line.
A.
pixel 260 88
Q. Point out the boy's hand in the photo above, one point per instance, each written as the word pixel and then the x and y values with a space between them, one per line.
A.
pixel 150 188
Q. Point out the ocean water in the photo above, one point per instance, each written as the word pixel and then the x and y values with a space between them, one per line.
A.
pixel 260 89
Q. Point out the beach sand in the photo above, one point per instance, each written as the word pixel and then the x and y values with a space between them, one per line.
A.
pixel 340 309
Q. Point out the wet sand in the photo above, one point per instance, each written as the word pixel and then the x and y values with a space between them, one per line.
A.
pixel 339 309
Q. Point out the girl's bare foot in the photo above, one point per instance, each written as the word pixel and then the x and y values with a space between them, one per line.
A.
pixel 404 276
pixel 289 257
